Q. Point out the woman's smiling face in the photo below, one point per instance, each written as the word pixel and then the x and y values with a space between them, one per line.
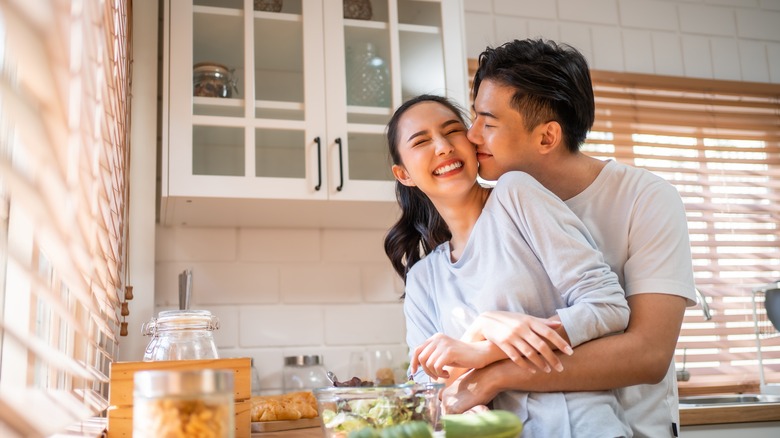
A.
pixel 435 154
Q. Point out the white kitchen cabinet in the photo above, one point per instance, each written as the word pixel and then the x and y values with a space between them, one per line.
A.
pixel 288 133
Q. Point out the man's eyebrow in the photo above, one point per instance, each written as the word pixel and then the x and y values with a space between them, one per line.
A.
pixel 483 113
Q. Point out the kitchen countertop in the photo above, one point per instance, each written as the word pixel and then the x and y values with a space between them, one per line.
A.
pixel 689 416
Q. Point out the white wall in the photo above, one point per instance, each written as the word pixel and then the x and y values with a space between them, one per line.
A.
pixel 280 292
pixel 324 291
pixel 717 39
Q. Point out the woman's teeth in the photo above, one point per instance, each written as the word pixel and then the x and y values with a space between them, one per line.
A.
pixel 448 168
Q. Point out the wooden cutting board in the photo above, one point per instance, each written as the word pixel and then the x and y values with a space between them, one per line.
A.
pixel 275 426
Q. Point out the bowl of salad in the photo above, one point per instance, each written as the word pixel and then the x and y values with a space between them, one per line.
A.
pixel 348 409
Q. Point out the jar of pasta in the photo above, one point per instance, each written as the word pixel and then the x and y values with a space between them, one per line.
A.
pixel 181 335
pixel 183 404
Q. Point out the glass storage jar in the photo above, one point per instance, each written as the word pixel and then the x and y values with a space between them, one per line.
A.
pixel 304 373
pixel 181 335
pixel 183 403
pixel 210 79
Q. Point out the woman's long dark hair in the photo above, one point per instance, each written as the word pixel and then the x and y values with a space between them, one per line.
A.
pixel 420 228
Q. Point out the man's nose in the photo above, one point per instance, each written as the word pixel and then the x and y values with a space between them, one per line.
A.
pixel 474 135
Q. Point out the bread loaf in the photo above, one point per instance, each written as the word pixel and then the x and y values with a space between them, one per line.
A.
pixel 290 406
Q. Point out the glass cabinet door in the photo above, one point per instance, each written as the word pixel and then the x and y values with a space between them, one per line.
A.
pixel 389 53
pixel 246 107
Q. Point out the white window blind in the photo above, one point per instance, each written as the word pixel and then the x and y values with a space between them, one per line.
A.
pixel 64 152
pixel 718 142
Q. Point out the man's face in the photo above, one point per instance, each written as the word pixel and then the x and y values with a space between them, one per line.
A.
pixel 498 131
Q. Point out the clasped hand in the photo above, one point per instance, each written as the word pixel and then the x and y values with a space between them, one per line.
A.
pixel 526 340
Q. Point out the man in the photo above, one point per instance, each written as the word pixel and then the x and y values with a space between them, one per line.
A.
pixel 533 103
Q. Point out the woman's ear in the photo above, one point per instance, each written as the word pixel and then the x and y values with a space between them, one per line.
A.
pixel 402 175
pixel 551 136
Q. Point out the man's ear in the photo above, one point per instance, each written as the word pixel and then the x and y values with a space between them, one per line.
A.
pixel 551 136
pixel 402 175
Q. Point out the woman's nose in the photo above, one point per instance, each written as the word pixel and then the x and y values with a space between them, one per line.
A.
pixel 443 146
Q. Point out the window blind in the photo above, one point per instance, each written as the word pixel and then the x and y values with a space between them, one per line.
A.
pixel 64 155
pixel 718 143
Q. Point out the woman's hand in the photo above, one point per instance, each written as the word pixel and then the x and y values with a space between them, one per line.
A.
pixel 526 340
pixel 440 353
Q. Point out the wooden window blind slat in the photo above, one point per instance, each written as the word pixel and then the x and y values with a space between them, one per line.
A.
pixel 64 149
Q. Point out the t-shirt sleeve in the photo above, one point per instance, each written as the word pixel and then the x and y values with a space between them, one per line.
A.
pixel 596 303
pixel 659 251
pixel 419 312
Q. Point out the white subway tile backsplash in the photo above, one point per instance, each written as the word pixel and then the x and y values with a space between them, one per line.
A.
pixel 638 51
pixel 367 324
pixel 380 283
pixel 697 57
pixel 278 245
pixel 707 20
pixel 667 54
pixel 754 64
pixel 653 15
pixel 227 334
pixel 477 6
pixel 578 36
pixel 773 58
pixel 353 245
pixel 219 283
pixel 759 24
pixel 592 11
pixel 510 28
pixel 280 326
pixel 545 29
pixel 481 31
pixel 184 244
pixel 607 48
pixel 735 3
pixel 315 283
pixel 769 4
pixel 526 8
pixel 724 56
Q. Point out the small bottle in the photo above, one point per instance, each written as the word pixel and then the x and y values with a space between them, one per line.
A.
pixel 304 373
pixel 179 403
pixel 255 378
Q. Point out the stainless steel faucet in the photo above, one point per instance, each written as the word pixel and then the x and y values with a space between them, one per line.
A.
pixel 704 306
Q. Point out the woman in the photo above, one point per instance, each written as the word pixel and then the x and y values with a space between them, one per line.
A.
pixel 464 249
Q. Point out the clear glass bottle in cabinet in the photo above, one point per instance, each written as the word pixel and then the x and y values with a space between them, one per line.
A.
pixel 287 130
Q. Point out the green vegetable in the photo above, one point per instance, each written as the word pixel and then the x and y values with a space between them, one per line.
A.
pixel 414 429
pixel 489 424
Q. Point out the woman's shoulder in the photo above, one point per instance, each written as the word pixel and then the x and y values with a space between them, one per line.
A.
pixel 516 184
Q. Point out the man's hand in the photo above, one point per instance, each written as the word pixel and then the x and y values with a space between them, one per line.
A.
pixel 472 391
pixel 526 340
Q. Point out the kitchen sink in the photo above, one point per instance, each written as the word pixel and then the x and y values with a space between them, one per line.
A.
pixel 728 399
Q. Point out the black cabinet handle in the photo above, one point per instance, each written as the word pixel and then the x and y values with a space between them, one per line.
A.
pixel 341 167
pixel 319 164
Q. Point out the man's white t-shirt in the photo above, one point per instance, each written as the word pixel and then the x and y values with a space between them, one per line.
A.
pixel 527 253
pixel 638 222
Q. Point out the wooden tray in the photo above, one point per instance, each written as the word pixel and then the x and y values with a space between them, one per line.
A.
pixel 275 426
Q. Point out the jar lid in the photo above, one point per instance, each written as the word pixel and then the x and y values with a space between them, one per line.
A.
pixel 210 67
pixel 181 320
pixel 303 360
pixel 181 383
